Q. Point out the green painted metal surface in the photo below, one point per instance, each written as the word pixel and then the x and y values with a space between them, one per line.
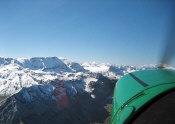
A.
pixel 130 95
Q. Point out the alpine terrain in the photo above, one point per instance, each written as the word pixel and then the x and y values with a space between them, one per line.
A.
pixel 51 90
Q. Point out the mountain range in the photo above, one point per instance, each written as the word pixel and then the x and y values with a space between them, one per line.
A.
pixel 42 90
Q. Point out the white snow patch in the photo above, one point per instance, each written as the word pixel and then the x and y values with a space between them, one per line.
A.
pixel 87 81
pixel 93 96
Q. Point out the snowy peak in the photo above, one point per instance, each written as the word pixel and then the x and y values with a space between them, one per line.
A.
pixel 47 64
pixel 43 63
pixel 76 67
pixel 96 67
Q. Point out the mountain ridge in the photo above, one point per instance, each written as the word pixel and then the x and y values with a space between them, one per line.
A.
pixel 33 93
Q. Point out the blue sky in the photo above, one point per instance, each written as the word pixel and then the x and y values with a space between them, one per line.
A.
pixel 114 31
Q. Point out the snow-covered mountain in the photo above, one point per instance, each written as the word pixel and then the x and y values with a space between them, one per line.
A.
pixel 34 92
pixel 22 72
pixel 114 71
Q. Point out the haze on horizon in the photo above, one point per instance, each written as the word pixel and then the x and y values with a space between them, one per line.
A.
pixel 117 32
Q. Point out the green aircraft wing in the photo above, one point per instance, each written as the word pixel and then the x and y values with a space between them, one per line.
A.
pixel 133 91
